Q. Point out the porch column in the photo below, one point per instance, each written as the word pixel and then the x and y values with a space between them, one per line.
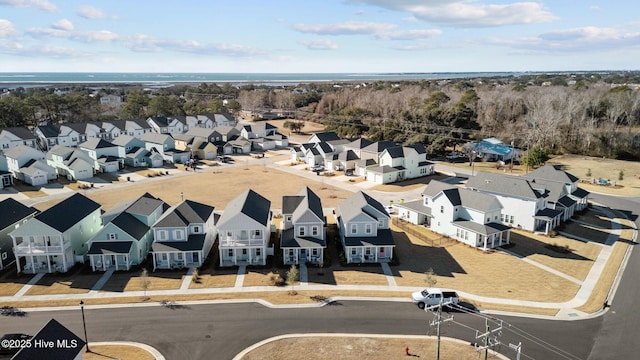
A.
pixel 93 263
pixel 103 266
pixel 49 263
pixel 18 264
pixel 484 240
pixel 546 227
pixel 184 259
pixel 116 260
pixel 64 262
pixel 154 261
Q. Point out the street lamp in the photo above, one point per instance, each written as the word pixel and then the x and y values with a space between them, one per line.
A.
pixel 84 325
pixel 473 161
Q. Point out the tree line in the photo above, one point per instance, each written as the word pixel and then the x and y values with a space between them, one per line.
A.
pixel 587 114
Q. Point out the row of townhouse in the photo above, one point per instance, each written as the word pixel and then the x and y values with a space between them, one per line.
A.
pixel 483 213
pixel 76 230
pixel 381 162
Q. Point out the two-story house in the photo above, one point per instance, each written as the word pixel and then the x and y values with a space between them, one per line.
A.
pixel 126 238
pixel 303 235
pixel 55 239
pixel 13 214
pixel 552 173
pixel 103 153
pixel 524 204
pixel 29 165
pixel 244 230
pixel 400 163
pixel 184 236
pixel 14 136
pixel 166 125
pixel 72 163
pixel 470 217
pixel 363 224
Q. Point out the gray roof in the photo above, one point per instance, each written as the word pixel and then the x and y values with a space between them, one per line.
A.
pixel 21 132
pixel 419 148
pixel 472 199
pixel 49 130
pixel 131 225
pixel 185 213
pixel 249 203
pixel 110 247
pixel 360 143
pixel 384 169
pixel 68 212
pixel 195 242
pixel 552 173
pixel 123 140
pixel 155 138
pixel 12 211
pixel 51 333
pixel 366 162
pixel 506 185
pixel 96 143
pixel 289 240
pixel 348 155
pixel 326 136
pixel 395 152
pixel 145 205
pixel 356 204
pixel 379 146
pixel 305 200
pixel 417 206
pixel 384 238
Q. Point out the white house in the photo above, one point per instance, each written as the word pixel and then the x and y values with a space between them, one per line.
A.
pixel 29 165
pixel 363 224
pixel 74 164
pixel 554 174
pixel 104 154
pixel 14 136
pixel 244 230
pixel 56 239
pixel 13 214
pixel 400 163
pixel 184 236
pixel 303 235
pixel 160 143
pixel 166 125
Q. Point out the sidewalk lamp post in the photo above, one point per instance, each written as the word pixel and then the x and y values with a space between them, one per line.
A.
pixel 473 161
pixel 84 325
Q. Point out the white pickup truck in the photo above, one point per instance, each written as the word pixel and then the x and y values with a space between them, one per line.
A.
pixel 433 296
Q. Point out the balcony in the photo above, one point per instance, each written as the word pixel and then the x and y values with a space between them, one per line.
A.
pixel 231 242
pixel 29 249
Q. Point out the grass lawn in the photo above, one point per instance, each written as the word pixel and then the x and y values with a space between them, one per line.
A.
pixel 133 280
pixel 121 352
pixel 491 274
pixel 68 283
pixel 360 275
pixel 363 347
pixel 11 282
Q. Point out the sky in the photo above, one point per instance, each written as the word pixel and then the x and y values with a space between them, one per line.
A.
pixel 319 36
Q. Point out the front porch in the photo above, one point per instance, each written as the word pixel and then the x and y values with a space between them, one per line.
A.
pixel 49 264
pixel 295 256
pixel 176 259
pixel 244 255
pixel 369 254
pixel 114 262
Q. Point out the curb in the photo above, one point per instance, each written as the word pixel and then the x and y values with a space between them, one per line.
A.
pixel 156 354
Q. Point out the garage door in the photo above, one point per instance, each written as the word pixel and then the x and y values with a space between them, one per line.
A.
pixel 39 180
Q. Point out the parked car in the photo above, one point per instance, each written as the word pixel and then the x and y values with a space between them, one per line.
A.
pixel 390 209
pixel 434 296
pixel 317 168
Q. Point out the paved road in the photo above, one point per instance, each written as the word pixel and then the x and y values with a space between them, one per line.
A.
pixel 198 332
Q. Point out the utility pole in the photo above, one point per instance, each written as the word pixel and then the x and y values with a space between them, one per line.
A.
pixel 517 348
pixel 489 339
pixel 438 321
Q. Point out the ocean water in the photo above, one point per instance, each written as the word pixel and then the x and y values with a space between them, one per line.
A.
pixel 45 78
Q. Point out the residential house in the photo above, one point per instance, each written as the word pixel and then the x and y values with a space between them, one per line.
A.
pixel 228 132
pixel 184 236
pixel 303 234
pixel 126 238
pixel 199 121
pixel 126 144
pixel 363 165
pixel 363 224
pixel 323 137
pixel 555 174
pixel 161 143
pixel 221 119
pixel 418 212
pixel 13 214
pixel 240 145
pixel 357 145
pixel 73 164
pixel 14 136
pixel 166 125
pixel 85 131
pixel 29 165
pixel 46 136
pixel 244 231
pixel 104 153
pixel 298 152
pixel 374 150
pixel 53 341
pixel 400 163
pixel 259 134
pixel 470 217
pixel 141 157
pixel 524 203
pixel 132 127
pixel 55 239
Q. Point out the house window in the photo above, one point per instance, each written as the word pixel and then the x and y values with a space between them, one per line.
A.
pixel 163 256
pixel 244 251
pixel 301 231
pixel 4 256
pixel 314 230
pixel 179 256
pixel 229 234
pixel 354 228
pixel 257 233
pixel 162 235
pixel 441 209
pixel 290 252
pixel 489 219
pixel 380 223
pixel 113 236
pixel 230 252
pixel 258 252
pixel 353 251
pixel 511 219
pixel 314 252
pixel 367 228
pixel 288 218
pixel 178 234
pixel 196 229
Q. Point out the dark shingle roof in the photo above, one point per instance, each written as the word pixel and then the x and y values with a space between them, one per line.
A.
pixel 69 212
pixel 49 130
pixel 110 247
pixel 251 204
pixel 144 205
pixel 384 238
pixel 96 143
pixel 290 203
pixel 327 136
pixel 12 211
pixel 52 332
pixel 129 224
pixel 395 152
pixel 21 132
pixel 185 213
pixel 195 242
pixel 289 240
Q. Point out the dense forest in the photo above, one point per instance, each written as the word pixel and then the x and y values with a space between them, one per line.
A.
pixel 596 114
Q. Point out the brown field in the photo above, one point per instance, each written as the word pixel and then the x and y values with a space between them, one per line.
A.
pixel 133 280
pixel 371 348
pixel 121 352
pixel 11 282
pixel 363 275
pixel 70 283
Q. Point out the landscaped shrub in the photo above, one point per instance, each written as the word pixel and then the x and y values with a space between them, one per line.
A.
pixel 275 279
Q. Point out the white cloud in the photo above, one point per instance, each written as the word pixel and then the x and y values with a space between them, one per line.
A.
pixel 63 24
pixel 346 28
pixel 90 12
pixel 6 28
pixel 38 4
pixel 319 44
pixel 409 34
pixel 469 13
pixel 145 43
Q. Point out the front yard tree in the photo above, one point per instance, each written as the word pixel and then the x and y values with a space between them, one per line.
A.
pixel 292 277
pixel 535 156
pixel 145 283
pixel 430 278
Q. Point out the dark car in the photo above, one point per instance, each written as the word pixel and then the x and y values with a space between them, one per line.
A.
pixel 12 343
